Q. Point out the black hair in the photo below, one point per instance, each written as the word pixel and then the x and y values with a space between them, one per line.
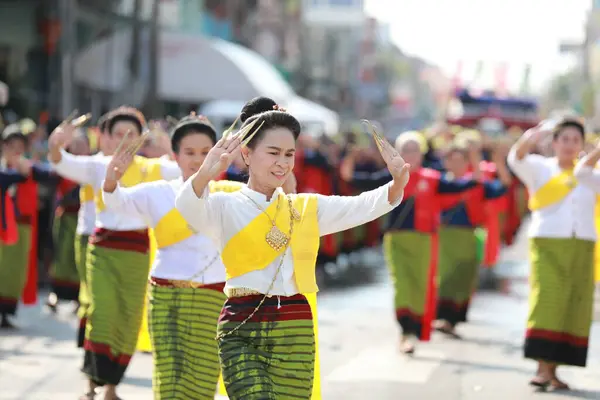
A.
pixel 256 106
pixel 270 120
pixel 103 122
pixel 114 119
pixel 192 125
pixel 568 123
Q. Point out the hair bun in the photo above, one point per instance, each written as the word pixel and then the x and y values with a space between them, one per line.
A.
pixel 257 105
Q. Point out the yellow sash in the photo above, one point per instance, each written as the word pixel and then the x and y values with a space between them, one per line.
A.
pixel 553 191
pixel 257 254
pixel 248 251
pixel 144 343
pixel 173 228
pixel 224 186
pixel 597 216
pixel 141 170
pixel 86 193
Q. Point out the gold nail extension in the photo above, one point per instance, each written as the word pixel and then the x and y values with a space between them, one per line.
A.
pixel 249 138
pixel 70 117
pixel 122 143
pixel 81 120
pixel 245 130
pixel 374 133
pixel 231 128
pixel 138 143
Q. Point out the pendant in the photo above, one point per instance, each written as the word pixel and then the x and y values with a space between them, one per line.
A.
pixel 295 214
pixel 276 239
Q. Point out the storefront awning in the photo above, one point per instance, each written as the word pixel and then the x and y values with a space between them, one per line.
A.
pixel 195 69
pixel 191 69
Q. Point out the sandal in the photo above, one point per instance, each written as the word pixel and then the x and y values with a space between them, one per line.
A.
pixel 449 332
pixel 5 323
pixel 539 382
pixel 407 346
pixel 88 396
pixel 557 384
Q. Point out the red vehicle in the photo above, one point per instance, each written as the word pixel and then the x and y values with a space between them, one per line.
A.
pixel 491 114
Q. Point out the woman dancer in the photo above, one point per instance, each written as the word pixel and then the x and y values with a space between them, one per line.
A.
pixel 117 255
pixel 410 239
pixel 269 242
pixel 458 265
pixel 18 258
pixel 86 221
pixel 187 278
pixel 562 238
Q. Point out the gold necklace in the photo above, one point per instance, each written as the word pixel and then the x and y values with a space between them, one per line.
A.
pixel 275 237
pixel 266 295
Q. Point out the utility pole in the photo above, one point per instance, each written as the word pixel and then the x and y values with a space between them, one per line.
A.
pixel 152 107
pixel 68 15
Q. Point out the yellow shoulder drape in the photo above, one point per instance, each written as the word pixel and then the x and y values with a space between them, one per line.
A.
pixel 144 344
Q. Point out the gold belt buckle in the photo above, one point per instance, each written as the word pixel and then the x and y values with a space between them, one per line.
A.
pixel 240 292
pixel 184 284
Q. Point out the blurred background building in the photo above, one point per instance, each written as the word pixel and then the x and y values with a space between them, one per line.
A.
pixel 325 59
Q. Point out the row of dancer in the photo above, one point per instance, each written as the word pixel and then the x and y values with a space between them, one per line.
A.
pixel 430 240
pixel 265 329
pixel 458 193
pixel 438 219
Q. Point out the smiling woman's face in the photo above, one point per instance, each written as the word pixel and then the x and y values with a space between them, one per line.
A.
pixel 271 161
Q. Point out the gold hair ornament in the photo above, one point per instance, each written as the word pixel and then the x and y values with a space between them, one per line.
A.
pixel 231 128
pixel 379 140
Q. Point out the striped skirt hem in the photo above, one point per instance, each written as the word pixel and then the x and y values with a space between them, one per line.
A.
pixel 117 286
pixel 272 355
pixel 182 325
pixel 64 274
pixel 561 300
pixel 457 272
pixel 14 261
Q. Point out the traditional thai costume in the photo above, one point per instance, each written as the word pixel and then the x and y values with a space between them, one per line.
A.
pixel 265 332
pixel 562 239
pixel 458 264
pixel 410 244
pixel 185 291
pixel 117 266
pixel 12 277
pixel 63 274
pixel 86 221
pixel 19 260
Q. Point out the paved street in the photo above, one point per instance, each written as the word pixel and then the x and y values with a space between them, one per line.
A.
pixel 359 352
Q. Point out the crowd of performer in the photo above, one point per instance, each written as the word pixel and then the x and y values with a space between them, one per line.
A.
pixel 219 234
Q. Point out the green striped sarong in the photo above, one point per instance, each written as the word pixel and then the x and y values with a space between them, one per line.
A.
pixel 117 282
pixel 561 300
pixel 183 324
pixel 272 356
pixel 81 242
pixel 14 261
pixel 63 274
pixel 457 272
pixel 408 255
